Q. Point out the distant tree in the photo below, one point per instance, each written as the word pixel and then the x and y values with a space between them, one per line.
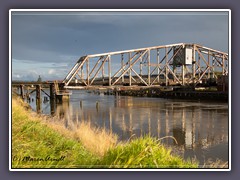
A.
pixel 39 79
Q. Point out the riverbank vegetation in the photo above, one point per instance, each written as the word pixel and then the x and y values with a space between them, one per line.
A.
pixel 40 142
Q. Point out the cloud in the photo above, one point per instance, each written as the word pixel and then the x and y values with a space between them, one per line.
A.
pixel 31 75
pixel 51 71
pixel 16 76
pixel 55 41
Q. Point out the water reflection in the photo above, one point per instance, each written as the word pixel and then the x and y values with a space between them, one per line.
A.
pixel 199 128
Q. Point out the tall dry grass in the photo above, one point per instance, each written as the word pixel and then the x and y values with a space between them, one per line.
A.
pixel 97 141
pixel 215 164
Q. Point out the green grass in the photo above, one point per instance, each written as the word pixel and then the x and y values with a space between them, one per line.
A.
pixel 34 140
pixel 38 141
pixel 31 138
pixel 143 152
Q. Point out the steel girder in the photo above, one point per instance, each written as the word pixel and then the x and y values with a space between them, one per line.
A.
pixel 149 66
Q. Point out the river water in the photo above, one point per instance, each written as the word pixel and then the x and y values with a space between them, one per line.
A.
pixel 200 128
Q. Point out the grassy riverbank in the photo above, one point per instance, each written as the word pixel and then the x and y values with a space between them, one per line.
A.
pixel 40 142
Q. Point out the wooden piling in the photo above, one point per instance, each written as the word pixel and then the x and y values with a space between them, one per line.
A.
pixel 52 107
pixel 52 98
pixel 38 92
pixel 52 92
pixel 22 91
pixel 38 98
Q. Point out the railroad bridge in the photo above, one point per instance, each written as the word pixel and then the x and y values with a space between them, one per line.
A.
pixel 168 65
pixel 174 64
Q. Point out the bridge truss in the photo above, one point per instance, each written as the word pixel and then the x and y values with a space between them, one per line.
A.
pixel 180 64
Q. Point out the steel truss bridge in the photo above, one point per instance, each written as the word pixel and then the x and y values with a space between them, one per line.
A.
pixel 175 64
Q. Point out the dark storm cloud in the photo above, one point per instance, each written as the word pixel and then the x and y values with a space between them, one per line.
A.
pixel 63 37
pixel 46 38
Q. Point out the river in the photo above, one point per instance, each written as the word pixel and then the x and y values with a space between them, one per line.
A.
pixel 200 128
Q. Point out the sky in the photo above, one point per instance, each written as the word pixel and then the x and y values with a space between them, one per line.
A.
pixel 50 43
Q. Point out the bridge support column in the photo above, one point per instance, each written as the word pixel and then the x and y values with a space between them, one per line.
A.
pixel 52 98
pixel 61 96
pixel 38 98
pixel 122 64
pixel 183 74
pixel 158 65
pixel 166 68
pixel 109 71
pixel 52 92
pixel 130 71
pixel 22 91
pixel 193 67
pixel 28 94
pixel 149 69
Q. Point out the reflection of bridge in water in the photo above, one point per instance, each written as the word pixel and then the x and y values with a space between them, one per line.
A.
pixel 173 120
pixel 196 126
pixel 159 65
